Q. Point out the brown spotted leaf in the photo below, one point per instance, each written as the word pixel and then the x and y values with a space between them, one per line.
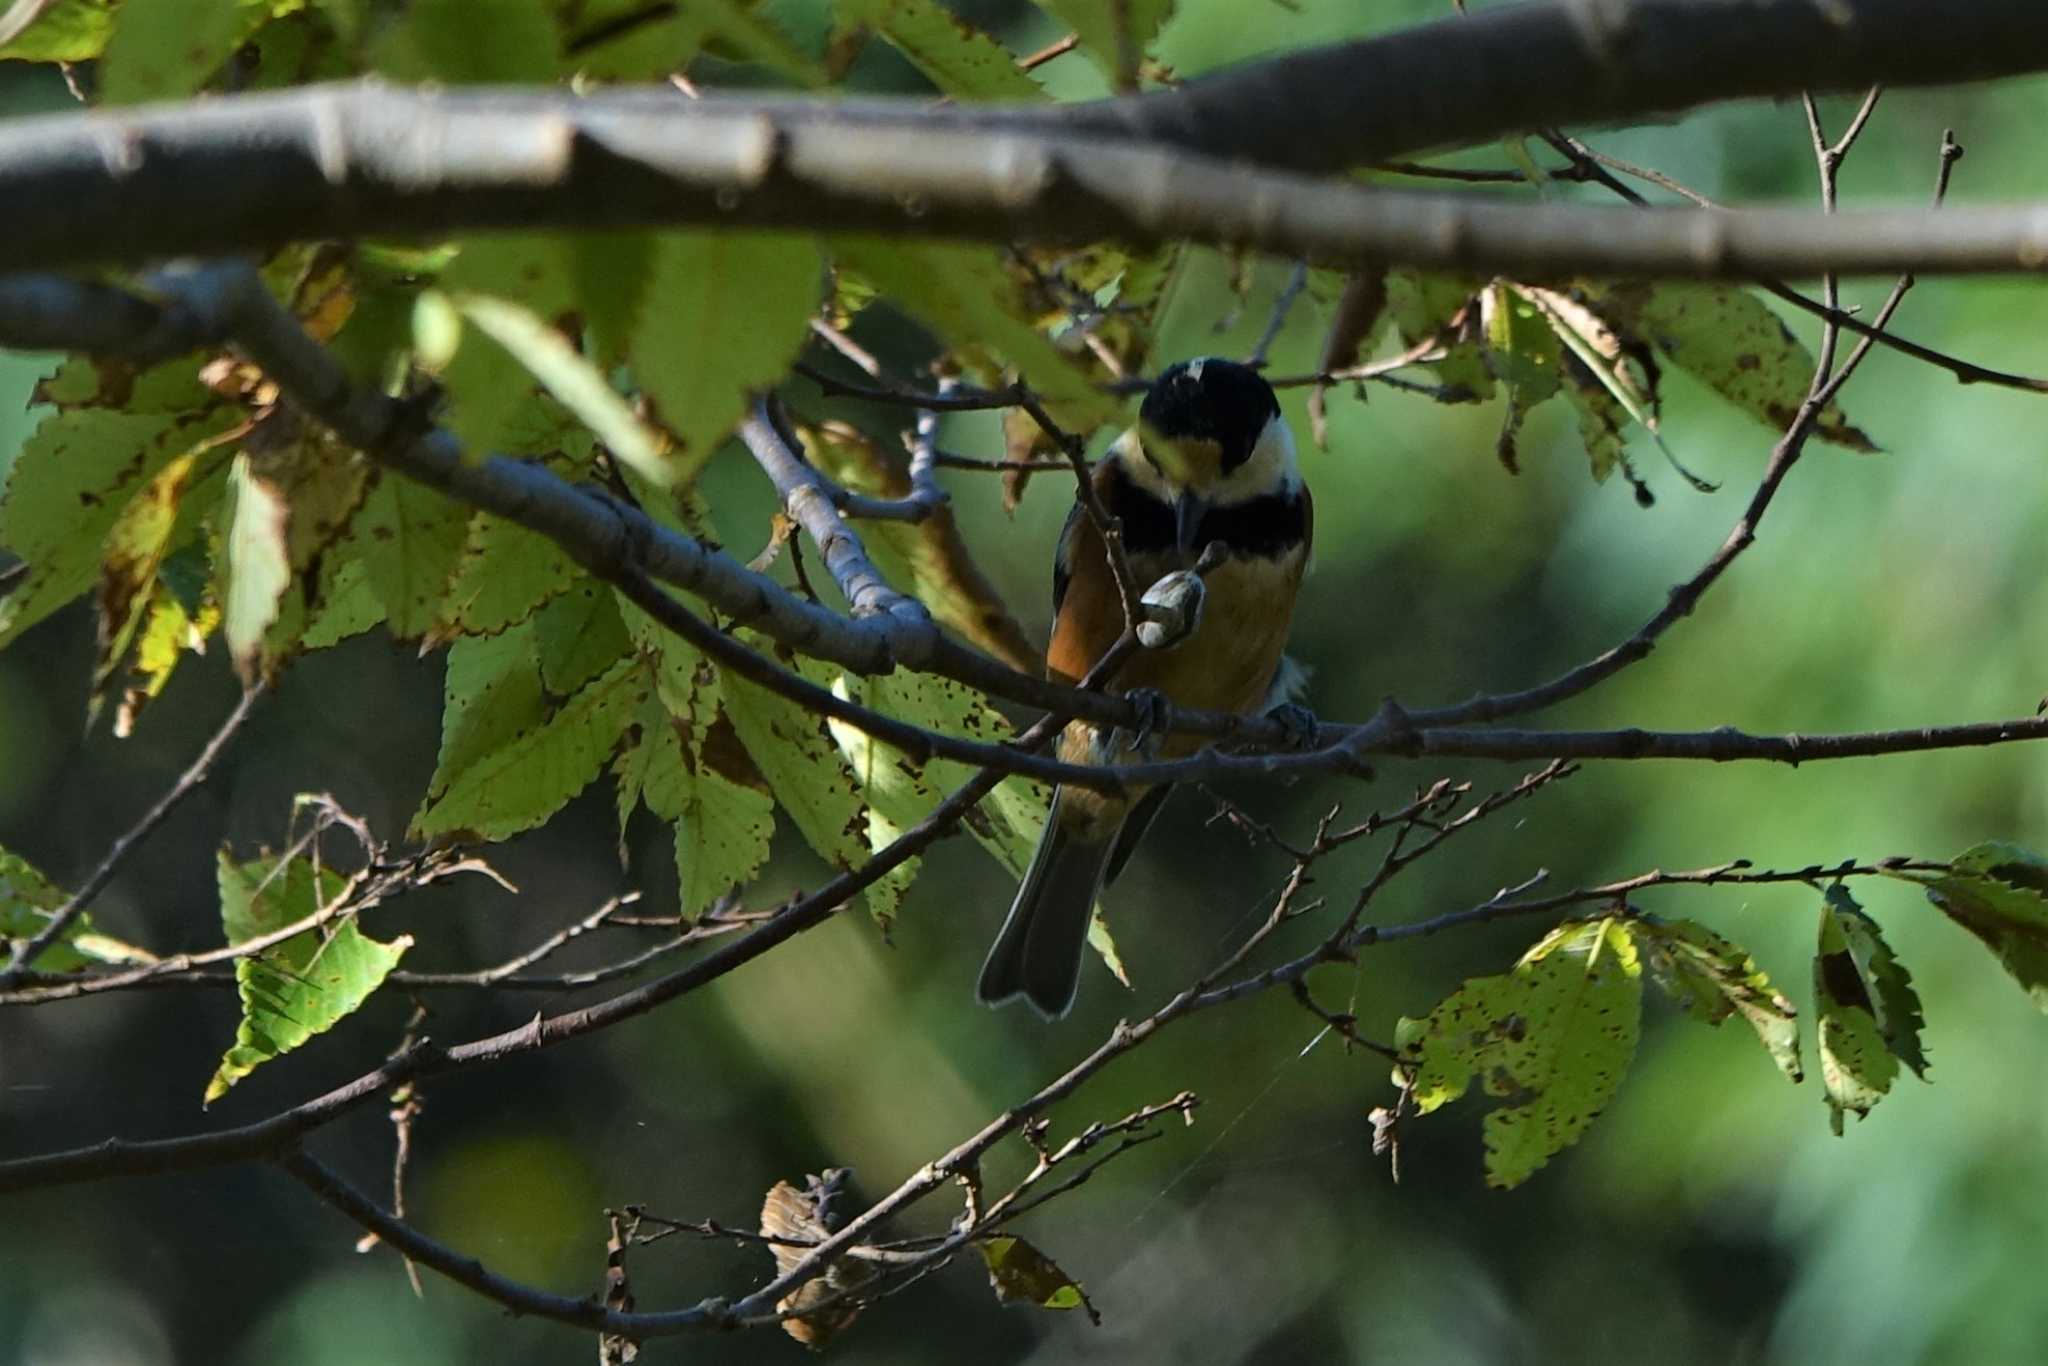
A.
pixel 1999 892
pixel 1553 1037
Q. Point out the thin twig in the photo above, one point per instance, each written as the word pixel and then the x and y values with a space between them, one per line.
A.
pixel 62 919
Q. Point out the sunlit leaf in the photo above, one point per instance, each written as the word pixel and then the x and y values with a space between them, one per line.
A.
pixel 1553 1037
pixel 505 574
pixel 1020 1274
pixel 1999 892
pixel 1712 978
pixel 490 696
pixel 579 385
pixel 820 1308
pixel 80 468
pixel 409 539
pixel 1869 1015
pixel 66 31
pixel 258 565
pixel 304 985
pixel 724 316
pixel 520 784
pixel 27 900
pixel 135 547
pixel 797 756
pixel 1522 352
pixel 1727 337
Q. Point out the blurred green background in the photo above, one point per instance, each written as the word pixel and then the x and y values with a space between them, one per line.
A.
pixel 1708 1216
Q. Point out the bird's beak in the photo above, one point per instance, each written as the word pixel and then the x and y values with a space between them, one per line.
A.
pixel 1188 511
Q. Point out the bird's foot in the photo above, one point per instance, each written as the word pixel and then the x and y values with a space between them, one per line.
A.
pixel 1299 722
pixel 1172 609
pixel 1156 719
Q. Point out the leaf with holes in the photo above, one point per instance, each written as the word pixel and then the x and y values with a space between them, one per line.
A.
pixel 1020 1274
pixel 409 539
pixel 797 757
pixel 1727 337
pixel 1869 1015
pixel 1999 892
pixel 1712 978
pixel 1554 1037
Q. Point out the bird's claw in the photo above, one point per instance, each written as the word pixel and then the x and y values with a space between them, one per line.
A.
pixel 1299 722
pixel 1172 609
pixel 1156 719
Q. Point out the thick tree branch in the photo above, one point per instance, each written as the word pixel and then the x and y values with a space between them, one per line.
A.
pixel 247 172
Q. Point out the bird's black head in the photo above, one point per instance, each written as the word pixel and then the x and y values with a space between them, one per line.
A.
pixel 1211 400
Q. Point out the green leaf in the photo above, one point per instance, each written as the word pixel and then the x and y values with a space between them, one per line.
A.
pixel 628 40
pixel 570 378
pixel 347 605
pixel 1869 1014
pixel 965 295
pixel 163 49
pixel 452 41
pixel 409 539
pixel 745 36
pixel 521 784
pixel 485 384
pixel 531 270
pixel 258 564
pixel 724 819
pixel 1422 305
pixel 1020 1274
pixel 580 635
pixel 955 56
pixel 1522 352
pixel 1553 1036
pixel 75 475
pixel 1603 422
pixel 1712 978
pixel 490 696
pixel 1114 33
pixel 724 316
pixel 611 271
pixel 1725 336
pixel 135 548
pixel 1999 892
pixel 303 986
pixel 68 31
pixel 27 901
pixel 799 760
pixel 505 575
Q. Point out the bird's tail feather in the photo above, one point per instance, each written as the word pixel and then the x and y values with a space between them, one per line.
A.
pixel 1038 953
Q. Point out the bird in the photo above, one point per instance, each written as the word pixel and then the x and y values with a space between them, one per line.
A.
pixel 1210 463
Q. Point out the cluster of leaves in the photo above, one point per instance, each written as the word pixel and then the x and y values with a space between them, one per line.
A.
pixel 190 504
pixel 1553 1036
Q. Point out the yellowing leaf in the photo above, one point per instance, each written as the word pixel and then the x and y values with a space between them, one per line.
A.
pixel 1726 336
pixel 1553 1037
pixel 304 985
pixel 1712 978
pixel 66 31
pixel 258 564
pixel 724 316
pixel 1020 1274
pixel 135 547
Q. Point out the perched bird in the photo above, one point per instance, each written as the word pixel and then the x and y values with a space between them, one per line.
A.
pixel 1210 461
